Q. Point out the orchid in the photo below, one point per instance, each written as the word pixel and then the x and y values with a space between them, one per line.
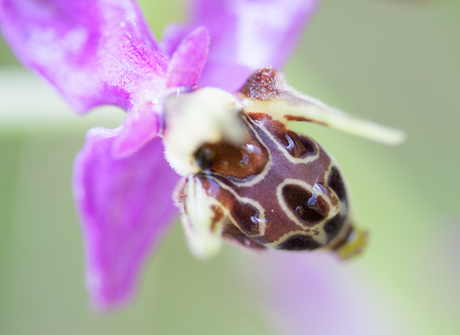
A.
pixel 187 95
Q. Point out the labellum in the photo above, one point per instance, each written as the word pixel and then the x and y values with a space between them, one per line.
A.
pixel 251 181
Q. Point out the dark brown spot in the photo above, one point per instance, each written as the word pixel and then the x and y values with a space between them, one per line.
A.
pixel 261 85
pixel 336 183
pixel 314 203
pixel 302 119
pixel 297 198
pixel 333 226
pixel 230 161
pixel 299 211
pixel 297 146
pixel 232 233
pixel 299 243
pixel 204 157
pixel 308 144
pixel 246 216
pixel 297 118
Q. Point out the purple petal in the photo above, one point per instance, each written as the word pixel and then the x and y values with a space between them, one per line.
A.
pixel 173 35
pixel 125 207
pixel 188 60
pixel 140 126
pixel 142 123
pixel 93 51
pixel 245 35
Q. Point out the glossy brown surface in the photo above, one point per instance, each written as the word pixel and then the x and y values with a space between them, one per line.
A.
pixel 280 188
pixel 308 208
pixel 239 162
pixel 297 179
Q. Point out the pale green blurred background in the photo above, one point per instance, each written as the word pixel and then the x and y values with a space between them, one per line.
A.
pixel 396 62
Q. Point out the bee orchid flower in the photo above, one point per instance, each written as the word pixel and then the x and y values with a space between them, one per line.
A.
pixel 195 93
